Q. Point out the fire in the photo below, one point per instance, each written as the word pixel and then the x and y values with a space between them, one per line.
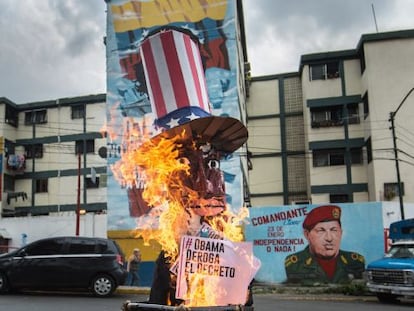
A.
pixel 166 166
pixel 203 291
pixel 108 130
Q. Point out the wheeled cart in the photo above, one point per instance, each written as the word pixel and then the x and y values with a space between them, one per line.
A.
pixel 142 306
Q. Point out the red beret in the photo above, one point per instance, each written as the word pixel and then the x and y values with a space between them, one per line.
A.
pixel 321 214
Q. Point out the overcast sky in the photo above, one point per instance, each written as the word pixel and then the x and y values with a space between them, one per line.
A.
pixel 54 48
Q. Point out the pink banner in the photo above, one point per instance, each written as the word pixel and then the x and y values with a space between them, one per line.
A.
pixel 216 270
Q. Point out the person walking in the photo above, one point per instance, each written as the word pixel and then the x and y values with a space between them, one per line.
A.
pixel 132 267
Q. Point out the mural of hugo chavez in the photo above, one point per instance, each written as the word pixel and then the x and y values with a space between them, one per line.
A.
pixel 322 260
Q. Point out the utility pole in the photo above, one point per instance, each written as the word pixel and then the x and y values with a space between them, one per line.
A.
pixel 78 195
pixel 394 139
pixel 397 165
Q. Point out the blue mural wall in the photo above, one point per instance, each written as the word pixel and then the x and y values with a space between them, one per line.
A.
pixel 214 23
pixel 277 233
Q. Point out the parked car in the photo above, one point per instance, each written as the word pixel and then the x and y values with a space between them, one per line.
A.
pixel 64 263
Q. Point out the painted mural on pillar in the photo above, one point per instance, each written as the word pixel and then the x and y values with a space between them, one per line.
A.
pixel 131 114
pixel 316 244
pixel 178 163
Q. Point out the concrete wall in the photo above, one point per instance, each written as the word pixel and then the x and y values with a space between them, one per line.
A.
pixel 388 79
pixel 60 224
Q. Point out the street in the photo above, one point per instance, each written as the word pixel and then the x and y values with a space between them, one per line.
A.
pixel 263 302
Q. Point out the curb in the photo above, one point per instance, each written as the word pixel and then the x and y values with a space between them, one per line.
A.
pixel 139 290
pixel 282 293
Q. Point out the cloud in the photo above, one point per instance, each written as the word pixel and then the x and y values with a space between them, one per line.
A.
pixel 278 32
pixel 78 28
pixel 54 48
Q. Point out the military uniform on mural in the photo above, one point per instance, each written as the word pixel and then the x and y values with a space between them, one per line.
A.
pixel 302 267
pixel 322 261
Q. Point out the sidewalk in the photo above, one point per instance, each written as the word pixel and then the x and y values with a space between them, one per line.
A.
pixel 330 293
pixel 325 292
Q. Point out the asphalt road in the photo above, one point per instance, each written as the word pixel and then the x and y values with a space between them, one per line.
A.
pixel 263 302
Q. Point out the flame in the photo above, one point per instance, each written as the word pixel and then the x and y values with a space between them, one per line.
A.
pixel 126 172
pixel 202 291
pixel 159 162
pixel 108 130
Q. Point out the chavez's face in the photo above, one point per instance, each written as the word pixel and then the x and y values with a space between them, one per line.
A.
pixel 324 239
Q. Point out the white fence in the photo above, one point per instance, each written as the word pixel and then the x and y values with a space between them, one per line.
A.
pixel 23 230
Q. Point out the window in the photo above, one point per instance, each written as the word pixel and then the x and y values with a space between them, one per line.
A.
pixel 336 157
pixel 41 185
pixel 324 71
pixel 323 157
pixel 328 157
pixel 317 72
pixel 104 248
pixel 362 59
pixel 82 246
pixel 338 198
pixel 9 147
pixel 353 114
pixel 333 116
pixel 47 247
pixel 391 190
pixel 90 184
pixel 35 117
pixel 90 146
pixel 9 183
pixel 369 150
pixel 34 151
pixel 408 230
pixel 333 157
pixel 366 106
pixel 320 158
pixel 12 116
pixel 326 116
pixel 356 156
pixel 78 112
pixel 319 115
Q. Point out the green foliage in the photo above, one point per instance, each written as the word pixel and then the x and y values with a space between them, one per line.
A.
pixel 355 289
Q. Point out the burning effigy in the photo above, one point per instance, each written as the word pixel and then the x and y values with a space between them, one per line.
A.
pixel 204 261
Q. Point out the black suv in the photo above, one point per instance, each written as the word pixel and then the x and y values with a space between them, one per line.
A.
pixel 65 263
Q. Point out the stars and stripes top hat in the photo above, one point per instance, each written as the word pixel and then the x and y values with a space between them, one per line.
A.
pixel 177 90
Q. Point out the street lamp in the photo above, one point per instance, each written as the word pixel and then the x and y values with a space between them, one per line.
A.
pixel 394 139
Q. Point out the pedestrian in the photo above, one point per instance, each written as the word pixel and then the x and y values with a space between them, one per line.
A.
pixel 132 267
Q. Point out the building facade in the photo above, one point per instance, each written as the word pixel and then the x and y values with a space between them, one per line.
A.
pixel 318 135
pixel 322 134
pixel 54 156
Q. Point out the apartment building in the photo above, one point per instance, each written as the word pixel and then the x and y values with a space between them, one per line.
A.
pixel 322 134
pixel 53 156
